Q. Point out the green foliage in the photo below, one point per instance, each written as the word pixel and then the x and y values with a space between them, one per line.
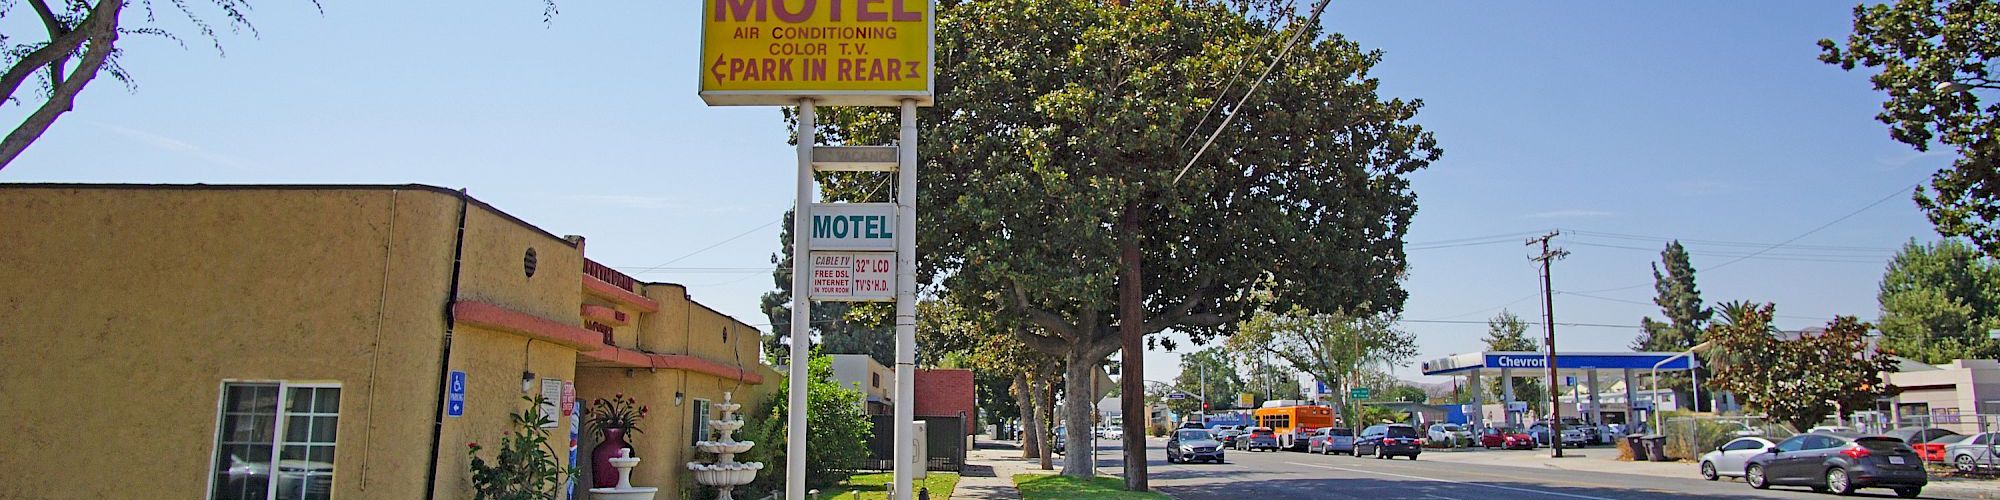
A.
pixel 1222 380
pixel 1334 348
pixel 1506 332
pixel 1059 129
pixel 527 467
pixel 619 412
pixel 1939 301
pixel 839 430
pixel 1406 394
pixel 1934 54
pixel 1372 414
pixel 1803 381
pixel 1679 301
pixel 839 327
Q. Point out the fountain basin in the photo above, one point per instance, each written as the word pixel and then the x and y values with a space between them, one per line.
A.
pixel 732 474
pixel 725 425
pixel 720 447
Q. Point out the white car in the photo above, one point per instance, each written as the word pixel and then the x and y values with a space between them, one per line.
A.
pixel 1974 453
pixel 1111 432
pixel 1450 434
pixel 1729 459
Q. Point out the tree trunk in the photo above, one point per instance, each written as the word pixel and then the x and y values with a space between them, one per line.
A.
pixel 1132 369
pixel 1024 397
pixel 1080 441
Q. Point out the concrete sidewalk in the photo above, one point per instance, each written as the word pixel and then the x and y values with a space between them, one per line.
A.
pixel 990 467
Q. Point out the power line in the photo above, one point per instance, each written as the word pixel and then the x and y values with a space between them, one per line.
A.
pixel 1640 237
pixel 1478 322
pixel 1293 42
pixel 1782 243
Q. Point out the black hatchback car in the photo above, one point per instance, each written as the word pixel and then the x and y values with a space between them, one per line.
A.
pixel 1839 463
pixel 1389 440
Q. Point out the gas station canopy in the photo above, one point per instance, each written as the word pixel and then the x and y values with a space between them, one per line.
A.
pixel 1535 363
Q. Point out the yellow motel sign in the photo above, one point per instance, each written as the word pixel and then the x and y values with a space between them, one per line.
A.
pixel 837 52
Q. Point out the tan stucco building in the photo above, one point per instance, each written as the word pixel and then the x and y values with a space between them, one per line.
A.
pixel 169 341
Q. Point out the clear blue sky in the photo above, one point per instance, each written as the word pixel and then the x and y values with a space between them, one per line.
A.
pixel 1705 121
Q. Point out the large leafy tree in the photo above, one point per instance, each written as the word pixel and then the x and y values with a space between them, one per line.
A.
pixel 1211 371
pixel 1049 164
pixel 1936 59
pixel 1680 302
pixel 1939 301
pixel 1506 332
pixel 1334 348
pixel 81 38
pixel 840 327
pixel 1800 381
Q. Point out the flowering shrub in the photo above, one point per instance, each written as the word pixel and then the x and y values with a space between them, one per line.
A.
pixel 527 467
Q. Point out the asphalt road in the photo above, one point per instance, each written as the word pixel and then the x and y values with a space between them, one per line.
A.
pixel 1292 475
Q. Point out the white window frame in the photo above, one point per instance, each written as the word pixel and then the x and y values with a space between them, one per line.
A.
pixel 701 409
pixel 278 431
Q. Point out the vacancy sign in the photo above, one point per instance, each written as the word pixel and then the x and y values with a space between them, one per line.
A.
pixel 853 276
pixel 839 53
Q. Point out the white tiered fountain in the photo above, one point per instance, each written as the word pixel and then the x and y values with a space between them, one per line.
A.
pixel 624 491
pixel 726 473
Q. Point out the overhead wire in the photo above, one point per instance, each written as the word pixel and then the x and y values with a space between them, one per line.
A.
pixel 1312 21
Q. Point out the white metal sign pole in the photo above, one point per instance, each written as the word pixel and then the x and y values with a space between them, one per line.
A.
pixel 906 301
pixel 795 439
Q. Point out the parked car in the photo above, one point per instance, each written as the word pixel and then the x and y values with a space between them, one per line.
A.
pixel 1839 429
pixel 1448 434
pixel 1934 451
pixel 1189 445
pixel 1506 438
pixel 1974 453
pixel 1058 449
pixel 1729 459
pixel 1110 432
pixel 1839 463
pixel 1592 433
pixel 1330 440
pixel 1258 438
pixel 1571 437
pixel 1928 441
pixel 1389 440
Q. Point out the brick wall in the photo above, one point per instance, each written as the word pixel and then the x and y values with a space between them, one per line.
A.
pixel 947 392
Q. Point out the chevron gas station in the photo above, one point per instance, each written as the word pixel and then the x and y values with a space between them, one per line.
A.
pixel 1585 367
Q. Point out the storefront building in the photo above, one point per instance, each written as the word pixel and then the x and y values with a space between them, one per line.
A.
pixel 195 341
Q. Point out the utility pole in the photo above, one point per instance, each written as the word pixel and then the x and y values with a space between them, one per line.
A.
pixel 1547 256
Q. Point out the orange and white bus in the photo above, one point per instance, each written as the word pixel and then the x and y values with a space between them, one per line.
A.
pixel 1293 425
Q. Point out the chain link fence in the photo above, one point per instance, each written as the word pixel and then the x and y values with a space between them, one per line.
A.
pixel 1689 436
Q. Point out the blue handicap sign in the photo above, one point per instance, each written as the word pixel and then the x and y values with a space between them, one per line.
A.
pixel 455 397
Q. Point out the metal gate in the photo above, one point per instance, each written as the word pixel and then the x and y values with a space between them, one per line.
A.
pixel 944 442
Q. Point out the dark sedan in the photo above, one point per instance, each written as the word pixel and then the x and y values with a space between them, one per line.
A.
pixel 1839 463
pixel 1389 440
pixel 1259 438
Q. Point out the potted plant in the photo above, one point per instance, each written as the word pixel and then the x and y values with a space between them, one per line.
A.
pixel 610 420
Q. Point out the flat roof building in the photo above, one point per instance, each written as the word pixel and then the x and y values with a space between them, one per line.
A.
pixel 186 341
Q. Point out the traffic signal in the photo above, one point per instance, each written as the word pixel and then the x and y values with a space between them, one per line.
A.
pixel 1204 405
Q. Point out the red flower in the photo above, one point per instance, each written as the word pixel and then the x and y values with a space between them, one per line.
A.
pixel 473 445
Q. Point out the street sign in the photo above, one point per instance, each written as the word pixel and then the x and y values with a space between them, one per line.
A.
pixel 856 53
pixel 853 276
pixel 1569 380
pixel 1517 406
pixel 854 226
pixel 455 395
pixel 1358 393
pixel 1176 395
pixel 1246 400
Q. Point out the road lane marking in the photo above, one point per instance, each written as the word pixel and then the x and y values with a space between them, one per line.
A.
pixel 1494 486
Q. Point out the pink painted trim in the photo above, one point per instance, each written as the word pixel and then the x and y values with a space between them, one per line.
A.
pixel 611 292
pixel 495 317
pixel 635 359
pixel 604 315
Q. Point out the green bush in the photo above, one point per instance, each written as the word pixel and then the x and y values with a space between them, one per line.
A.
pixel 837 443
